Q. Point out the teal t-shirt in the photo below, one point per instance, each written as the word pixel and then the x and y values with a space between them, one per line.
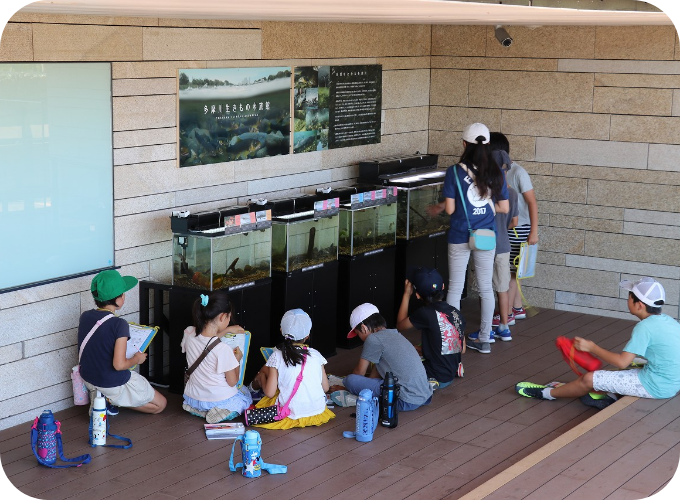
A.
pixel 657 338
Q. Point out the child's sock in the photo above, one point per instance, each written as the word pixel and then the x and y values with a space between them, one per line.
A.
pixel 546 393
pixel 502 327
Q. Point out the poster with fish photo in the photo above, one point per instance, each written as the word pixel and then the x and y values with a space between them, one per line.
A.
pixel 311 110
pixel 229 114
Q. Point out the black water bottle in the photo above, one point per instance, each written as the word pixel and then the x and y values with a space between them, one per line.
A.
pixel 389 395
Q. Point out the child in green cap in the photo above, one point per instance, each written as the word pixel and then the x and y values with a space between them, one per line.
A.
pixel 102 343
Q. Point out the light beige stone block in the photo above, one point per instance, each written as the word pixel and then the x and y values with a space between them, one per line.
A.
pixel 257 63
pixel 34 17
pixel 664 157
pixel 630 195
pixel 163 44
pixel 52 342
pixel 208 23
pixel 652 129
pixel 632 101
pixel 595 153
pixel 144 154
pixel 632 248
pixel 549 124
pixel 57 364
pixel 494 63
pixel 557 239
pixel 406 119
pixel 152 69
pixel 565 189
pixel 539 297
pixel 544 42
pixel 641 81
pixel 571 279
pixel 591 301
pixel 458 40
pixel 618 174
pixel 340 176
pixel 16 43
pixel 9 353
pixel 161 270
pixel 654 230
pixel 318 178
pixel 128 206
pixel 392 63
pixel 35 401
pixel 403 89
pixel 592 310
pixel 143 112
pixel 623 42
pixel 48 316
pixel 142 229
pixel 43 293
pixel 623 266
pixel 532 90
pixel 148 86
pixel 263 168
pixel 144 137
pixel 556 259
pixel 449 87
pixel 613 66
pixel 677 46
pixel 523 147
pixel 535 168
pixel 445 143
pixel 676 103
pixel 543 218
pixel 69 42
pixel 587 223
pixel 652 217
pixel 456 119
pixel 577 210
pixel 281 40
pixel 221 193
pixel 144 253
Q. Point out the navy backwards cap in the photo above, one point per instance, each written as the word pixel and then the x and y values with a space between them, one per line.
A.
pixel 426 281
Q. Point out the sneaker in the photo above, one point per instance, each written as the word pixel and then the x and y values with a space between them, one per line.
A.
pixel 483 347
pixel 217 415
pixel 519 313
pixel 474 336
pixel 530 390
pixel 256 395
pixel 194 411
pixel 344 398
pixel 433 383
pixel 496 321
pixel 599 401
pixel 111 409
pixel 504 335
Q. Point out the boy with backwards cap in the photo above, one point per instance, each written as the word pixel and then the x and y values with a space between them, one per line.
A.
pixel 656 337
pixel 389 351
pixel 441 326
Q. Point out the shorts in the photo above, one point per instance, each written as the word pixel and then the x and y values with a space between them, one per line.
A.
pixel 517 236
pixel 239 402
pixel 624 382
pixel 136 392
pixel 501 272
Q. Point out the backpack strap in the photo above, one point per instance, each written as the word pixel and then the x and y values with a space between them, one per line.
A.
pixel 120 438
pixel 233 467
pixel 273 468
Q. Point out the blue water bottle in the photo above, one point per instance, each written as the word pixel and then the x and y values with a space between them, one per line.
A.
pixel 389 395
pixel 367 416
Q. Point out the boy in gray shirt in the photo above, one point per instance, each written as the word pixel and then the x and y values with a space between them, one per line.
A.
pixel 389 351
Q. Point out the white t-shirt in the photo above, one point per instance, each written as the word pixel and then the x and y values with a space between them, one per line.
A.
pixel 309 400
pixel 207 382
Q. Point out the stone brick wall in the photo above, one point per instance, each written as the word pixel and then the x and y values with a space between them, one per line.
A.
pixel 593 113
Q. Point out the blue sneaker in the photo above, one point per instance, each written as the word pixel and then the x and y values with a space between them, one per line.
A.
pixel 504 335
pixel 111 409
pixel 474 336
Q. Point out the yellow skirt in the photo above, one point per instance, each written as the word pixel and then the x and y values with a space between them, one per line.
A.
pixel 290 423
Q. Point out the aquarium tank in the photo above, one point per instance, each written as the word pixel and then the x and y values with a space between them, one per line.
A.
pixel 213 262
pixel 300 241
pixel 413 216
pixel 366 229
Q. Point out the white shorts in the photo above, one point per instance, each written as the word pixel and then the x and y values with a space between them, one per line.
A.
pixel 624 382
pixel 136 392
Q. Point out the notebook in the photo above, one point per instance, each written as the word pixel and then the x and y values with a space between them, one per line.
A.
pixel 242 341
pixel 140 338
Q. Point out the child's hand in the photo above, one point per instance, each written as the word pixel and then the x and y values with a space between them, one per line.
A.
pixel 235 329
pixel 140 357
pixel 238 353
pixel 408 288
pixel 583 345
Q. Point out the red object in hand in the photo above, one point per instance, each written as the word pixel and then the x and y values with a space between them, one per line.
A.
pixel 575 357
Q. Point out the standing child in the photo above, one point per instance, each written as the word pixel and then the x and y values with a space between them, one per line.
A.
pixel 656 337
pixel 211 391
pixel 441 326
pixel 103 365
pixel 277 378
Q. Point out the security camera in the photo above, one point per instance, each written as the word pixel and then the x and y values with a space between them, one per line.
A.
pixel 503 37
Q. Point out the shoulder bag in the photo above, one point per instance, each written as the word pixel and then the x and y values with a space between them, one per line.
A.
pixel 480 239
pixel 188 371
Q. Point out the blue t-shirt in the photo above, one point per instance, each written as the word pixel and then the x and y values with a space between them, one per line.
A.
pixel 96 363
pixel 657 338
pixel 480 211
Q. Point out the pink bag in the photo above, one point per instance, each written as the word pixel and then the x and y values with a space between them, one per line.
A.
pixel 81 395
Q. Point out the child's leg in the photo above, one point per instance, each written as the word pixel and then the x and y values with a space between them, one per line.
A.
pixel 260 379
pixel 356 383
pixel 156 405
pixel 579 387
pixel 501 283
pixel 514 298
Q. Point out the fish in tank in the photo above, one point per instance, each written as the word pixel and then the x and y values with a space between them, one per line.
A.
pixel 304 243
pixel 413 217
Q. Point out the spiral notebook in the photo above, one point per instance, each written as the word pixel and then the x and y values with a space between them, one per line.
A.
pixel 242 341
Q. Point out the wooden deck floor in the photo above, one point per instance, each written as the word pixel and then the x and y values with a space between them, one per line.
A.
pixel 477 437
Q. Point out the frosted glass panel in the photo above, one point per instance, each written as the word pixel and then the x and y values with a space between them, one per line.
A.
pixel 56 171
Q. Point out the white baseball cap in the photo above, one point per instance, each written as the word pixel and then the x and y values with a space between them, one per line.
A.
pixel 475 130
pixel 359 314
pixel 647 289
pixel 296 324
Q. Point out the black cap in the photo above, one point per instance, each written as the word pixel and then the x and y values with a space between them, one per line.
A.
pixel 425 280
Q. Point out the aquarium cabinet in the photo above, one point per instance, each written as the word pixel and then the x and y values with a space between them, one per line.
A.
pixel 366 247
pixel 305 264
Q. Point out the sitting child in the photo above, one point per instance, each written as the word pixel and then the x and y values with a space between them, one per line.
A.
pixel 211 391
pixel 656 337
pixel 440 324
pixel 277 378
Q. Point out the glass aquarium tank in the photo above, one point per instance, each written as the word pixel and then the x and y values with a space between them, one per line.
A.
pixel 213 262
pixel 300 241
pixel 366 229
pixel 413 216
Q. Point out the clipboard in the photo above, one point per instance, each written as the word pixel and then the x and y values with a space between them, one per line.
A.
pixel 242 341
pixel 526 267
pixel 266 352
pixel 140 338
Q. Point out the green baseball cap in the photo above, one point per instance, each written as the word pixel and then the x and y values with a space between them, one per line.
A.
pixel 110 284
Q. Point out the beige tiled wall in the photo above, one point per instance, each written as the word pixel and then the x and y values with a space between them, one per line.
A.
pixel 592 114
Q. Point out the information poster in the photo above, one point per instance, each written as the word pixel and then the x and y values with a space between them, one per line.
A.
pixel 228 114
pixel 336 107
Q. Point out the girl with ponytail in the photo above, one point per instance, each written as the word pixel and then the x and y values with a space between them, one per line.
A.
pixel 484 193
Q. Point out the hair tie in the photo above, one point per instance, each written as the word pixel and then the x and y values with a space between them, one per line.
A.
pixel 204 300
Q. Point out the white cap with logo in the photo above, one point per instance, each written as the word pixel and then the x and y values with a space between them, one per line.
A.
pixel 647 289
pixel 359 314
pixel 475 130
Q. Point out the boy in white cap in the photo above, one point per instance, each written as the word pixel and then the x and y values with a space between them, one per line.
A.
pixel 389 351
pixel 656 338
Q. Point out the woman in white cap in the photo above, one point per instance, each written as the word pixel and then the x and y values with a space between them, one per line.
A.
pixel 277 378
pixel 475 189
